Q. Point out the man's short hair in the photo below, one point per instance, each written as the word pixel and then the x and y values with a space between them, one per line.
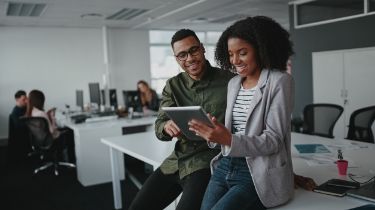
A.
pixel 182 34
pixel 19 94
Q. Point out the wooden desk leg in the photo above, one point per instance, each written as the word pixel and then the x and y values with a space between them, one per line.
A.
pixel 115 156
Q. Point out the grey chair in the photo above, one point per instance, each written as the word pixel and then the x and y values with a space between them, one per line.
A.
pixel 320 119
pixel 360 123
pixel 44 144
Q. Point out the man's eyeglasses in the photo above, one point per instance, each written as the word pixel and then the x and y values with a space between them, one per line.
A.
pixel 193 51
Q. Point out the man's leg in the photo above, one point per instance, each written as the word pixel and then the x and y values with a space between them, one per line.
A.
pixel 158 192
pixel 194 187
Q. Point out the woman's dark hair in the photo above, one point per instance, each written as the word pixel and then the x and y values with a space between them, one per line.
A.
pixel 182 34
pixel 143 83
pixel 36 99
pixel 270 41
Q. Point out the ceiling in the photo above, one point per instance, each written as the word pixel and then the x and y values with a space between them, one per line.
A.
pixel 205 15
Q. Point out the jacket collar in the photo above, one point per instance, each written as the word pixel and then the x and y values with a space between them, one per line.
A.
pixel 206 78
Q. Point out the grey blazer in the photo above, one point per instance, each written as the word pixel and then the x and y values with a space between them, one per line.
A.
pixel 266 142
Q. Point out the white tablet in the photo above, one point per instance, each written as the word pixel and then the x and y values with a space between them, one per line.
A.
pixel 183 114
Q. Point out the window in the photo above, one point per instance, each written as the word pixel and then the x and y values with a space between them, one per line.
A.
pixel 162 60
pixel 316 12
pixel 371 5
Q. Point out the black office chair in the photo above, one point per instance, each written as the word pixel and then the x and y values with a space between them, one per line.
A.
pixel 18 141
pixel 320 119
pixel 360 123
pixel 44 144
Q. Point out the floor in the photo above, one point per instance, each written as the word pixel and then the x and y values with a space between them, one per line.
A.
pixel 20 189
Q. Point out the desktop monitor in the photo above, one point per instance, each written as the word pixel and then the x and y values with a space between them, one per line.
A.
pixel 94 93
pixel 113 98
pixel 79 98
pixel 102 95
pixel 132 99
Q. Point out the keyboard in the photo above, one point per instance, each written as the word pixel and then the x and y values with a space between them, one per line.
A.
pixel 106 113
pixel 99 119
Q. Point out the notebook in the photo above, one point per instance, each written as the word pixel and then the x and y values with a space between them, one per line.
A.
pixel 336 187
pixel 311 148
pixel 366 192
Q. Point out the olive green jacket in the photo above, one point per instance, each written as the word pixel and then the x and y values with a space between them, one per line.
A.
pixel 210 92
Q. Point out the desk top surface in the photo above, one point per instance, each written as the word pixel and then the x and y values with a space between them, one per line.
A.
pixel 121 122
pixel 146 147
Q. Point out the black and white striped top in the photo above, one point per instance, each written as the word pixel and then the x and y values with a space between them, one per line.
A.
pixel 241 108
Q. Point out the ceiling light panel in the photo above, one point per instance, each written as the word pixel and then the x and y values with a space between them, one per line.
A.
pixel 25 9
pixel 127 14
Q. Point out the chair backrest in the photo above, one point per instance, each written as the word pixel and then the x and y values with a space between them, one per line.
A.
pixel 360 124
pixel 320 119
pixel 41 135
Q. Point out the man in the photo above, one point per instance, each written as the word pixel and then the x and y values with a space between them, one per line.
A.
pixel 20 109
pixel 186 170
pixel 18 140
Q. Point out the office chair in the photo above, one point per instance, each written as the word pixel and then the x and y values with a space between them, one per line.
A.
pixel 18 143
pixel 320 119
pixel 360 123
pixel 44 144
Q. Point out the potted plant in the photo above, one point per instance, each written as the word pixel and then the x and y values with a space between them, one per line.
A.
pixel 342 164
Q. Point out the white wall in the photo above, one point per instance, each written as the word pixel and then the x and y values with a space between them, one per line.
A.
pixel 129 59
pixel 60 60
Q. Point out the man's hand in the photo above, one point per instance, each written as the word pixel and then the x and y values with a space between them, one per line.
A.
pixel 172 129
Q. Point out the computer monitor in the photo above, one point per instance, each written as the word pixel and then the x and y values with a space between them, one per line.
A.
pixel 79 98
pixel 132 99
pixel 94 93
pixel 113 98
pixel 102 97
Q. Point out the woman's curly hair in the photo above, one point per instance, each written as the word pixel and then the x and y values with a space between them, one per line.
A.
pixel 270 41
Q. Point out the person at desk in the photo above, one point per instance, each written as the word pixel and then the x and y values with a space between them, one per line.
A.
pixel 149 98
pixel 254 168
pixel 18 144
pixel 19 109
pixel 35 108
pixel 186 170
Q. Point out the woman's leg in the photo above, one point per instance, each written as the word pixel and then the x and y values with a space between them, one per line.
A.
pixel 241 194
pixel 217 187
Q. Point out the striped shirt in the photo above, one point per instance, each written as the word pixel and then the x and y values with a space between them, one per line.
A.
pixel 240 109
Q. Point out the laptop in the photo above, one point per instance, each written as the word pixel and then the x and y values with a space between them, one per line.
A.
pixel 366 192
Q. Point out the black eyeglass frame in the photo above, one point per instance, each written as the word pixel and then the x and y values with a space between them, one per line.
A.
pixel 193 51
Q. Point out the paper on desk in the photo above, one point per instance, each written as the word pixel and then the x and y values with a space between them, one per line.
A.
pixel 345 146
pixel 324 160
pixel 319 159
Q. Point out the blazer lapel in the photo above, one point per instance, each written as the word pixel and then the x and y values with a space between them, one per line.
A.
pixel 258 92
pixel 232 95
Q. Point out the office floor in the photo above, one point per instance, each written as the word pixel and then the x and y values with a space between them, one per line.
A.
pixel 19 189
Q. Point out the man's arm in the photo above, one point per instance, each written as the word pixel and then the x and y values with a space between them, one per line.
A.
pixel 162 118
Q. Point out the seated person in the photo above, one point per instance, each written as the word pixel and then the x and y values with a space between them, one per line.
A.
pixel 18 135
pixel 20 109
pixel 35 108
pixel 149 98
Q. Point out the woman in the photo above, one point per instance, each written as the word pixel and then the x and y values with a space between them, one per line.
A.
pixel 35 108
pixel 254 168
pixel 149 98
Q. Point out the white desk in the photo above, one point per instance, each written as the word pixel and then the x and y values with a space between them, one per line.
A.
pixel 93 162
pixel 143 146
pixel 147 148
pixel 363 158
